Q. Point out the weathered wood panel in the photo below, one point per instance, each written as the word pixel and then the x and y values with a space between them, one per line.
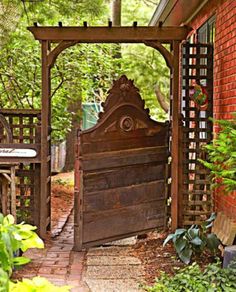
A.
pixel 122 167
pixel 107 224
pixel 123 196
pixel 123 176
pixel 122 159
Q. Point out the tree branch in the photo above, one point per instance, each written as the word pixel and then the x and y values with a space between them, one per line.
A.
pixel 161 99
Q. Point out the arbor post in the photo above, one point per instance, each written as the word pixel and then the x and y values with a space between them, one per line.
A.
pixel 45 171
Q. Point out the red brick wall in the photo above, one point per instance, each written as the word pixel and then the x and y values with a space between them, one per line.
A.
pixel 225 61
pixel 224 72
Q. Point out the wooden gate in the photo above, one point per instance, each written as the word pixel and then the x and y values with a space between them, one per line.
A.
pixel 120 171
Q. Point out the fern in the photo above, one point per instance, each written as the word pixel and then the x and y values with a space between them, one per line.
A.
pixel 222 157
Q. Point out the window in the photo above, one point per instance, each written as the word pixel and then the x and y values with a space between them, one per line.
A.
pixel 206 33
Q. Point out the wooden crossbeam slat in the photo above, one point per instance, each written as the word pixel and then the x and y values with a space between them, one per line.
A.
pixel 110 34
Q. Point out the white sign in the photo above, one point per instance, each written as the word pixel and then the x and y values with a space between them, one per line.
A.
pixel 13 152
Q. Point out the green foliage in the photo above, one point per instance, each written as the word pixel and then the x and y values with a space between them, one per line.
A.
pixel 82 73
pixel 38 284
pixel 4 281
pixel 143 64
pixel 61 182
pixel 194 240
pixel 222 157
pixel 147 67
pixel 15 237
pixel 191 278
pixel 10 13
pixel 232 264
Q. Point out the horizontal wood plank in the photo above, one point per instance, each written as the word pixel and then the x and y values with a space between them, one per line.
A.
pixel 122 221
pixel 121 159
pixel 109 35
pixel 123 176
pixel 124 196
pixel 20 112
pixel 123 144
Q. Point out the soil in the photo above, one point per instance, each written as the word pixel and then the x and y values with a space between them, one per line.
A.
pixel 156 258
pixel 62 199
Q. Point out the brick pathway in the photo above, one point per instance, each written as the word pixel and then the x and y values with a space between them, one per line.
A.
pixel 57 262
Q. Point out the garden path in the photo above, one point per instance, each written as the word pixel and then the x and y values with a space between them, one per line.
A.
pixel 58 262
pixel 110 268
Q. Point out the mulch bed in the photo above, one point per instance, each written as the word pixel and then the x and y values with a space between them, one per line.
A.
pixel 62 202
pixel 157 258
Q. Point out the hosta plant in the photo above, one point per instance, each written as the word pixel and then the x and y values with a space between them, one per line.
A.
pixel 15 237
pixel 194 240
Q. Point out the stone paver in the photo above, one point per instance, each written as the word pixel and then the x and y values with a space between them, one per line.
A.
pixel 114 285
pixel 111 268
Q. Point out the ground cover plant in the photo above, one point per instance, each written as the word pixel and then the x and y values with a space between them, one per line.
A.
pixel 213 278
pixel 194 240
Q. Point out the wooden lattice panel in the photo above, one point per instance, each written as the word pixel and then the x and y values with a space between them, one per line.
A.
pixel 23 125
pixel 25 130
pixel 196 204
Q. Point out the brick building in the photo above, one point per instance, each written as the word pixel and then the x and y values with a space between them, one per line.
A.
pixel 212 21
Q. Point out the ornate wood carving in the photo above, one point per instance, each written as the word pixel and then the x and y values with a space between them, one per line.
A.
pixel 123 113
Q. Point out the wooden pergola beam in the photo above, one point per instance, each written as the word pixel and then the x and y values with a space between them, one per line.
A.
pixel 109 34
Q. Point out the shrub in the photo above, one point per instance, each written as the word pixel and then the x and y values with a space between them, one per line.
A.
pixel 15 237
pixel 222 157
pixel 191 278
pixel 38 284
pixel 194 240
pixel 4 281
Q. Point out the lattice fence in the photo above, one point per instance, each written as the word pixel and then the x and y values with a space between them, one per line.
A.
pixel 196 203
pixel 25 129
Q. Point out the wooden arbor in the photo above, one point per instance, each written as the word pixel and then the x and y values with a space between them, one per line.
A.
pixel 65 37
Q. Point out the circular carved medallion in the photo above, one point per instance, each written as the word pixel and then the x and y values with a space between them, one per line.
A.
pixel 126 123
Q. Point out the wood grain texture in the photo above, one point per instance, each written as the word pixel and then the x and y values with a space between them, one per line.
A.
pixel 109 34
pixel 122 163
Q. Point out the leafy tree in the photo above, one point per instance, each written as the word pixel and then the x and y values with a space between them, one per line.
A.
pixel 81 69
pixel 81 73
pixel 143 64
